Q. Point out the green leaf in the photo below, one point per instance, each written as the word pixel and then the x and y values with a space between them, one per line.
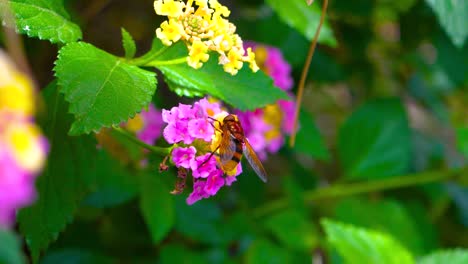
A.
pixel 309 141
pixel 45 19
pixel 386 216
pixel 67 178
pixel 462 140
pixel 114 186
pixel 157 206
pixel 360 245
pixel 293 229
pixel 102 89
pixel 200 221
pixel 245 91
pixel 179 254
pixel 452 256
pixel 459 195
pixel 265 252
pixel 304 18
pixel 128 44
pixel 183 91
pixel 10 248
pixel 75 256
pixel 375 141
pixel 452 17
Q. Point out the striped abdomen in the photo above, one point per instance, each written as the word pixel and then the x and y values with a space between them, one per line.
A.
pixel 236 157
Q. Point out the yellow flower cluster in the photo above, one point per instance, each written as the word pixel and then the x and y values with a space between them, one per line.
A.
pixel 18 135
pixel 16 94
pixel 203 26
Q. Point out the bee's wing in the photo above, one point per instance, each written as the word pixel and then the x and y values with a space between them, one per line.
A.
pixel 254 161
pixel 227 147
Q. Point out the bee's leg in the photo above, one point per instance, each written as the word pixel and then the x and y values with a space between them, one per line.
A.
pixel 225 176
pixel 209 157
pixel 219 130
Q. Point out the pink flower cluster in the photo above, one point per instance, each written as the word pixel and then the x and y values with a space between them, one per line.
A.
pixel 191 128
pixel 271 61
pixel 16 175
pixel 207 177
pixel 266 127
pixel 147 125
pixel 22 147
pixel 192 131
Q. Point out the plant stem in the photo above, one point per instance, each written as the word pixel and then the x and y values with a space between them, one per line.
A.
pixel 305 70
pixel 155 63
pixel 157 150
pixel 340 190
pixel 148 57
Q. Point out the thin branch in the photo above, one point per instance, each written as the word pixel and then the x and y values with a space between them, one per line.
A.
pixel 157 150
pixel 305 70
pixel 341 190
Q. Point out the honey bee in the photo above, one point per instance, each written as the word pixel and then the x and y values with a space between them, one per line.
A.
pixel 234 144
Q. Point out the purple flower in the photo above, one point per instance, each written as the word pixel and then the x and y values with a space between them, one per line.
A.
pixel 16 188
pixel 275 144
pixel 272 62
pixel 152 125
pixel 187 123
pixel 194 127
pixel 204 108
pixel 204 167
pixel 288 108
pixel 266 127
pixel 170 116
pixel 201 128
pixel 177 132
pixel 198 192
pixel 23 149
pixel 186 112
pixel 278 69
pixel 214 182
pixel 259 143
pixel 184 157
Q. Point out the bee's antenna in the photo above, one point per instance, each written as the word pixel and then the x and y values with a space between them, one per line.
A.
pixel 214 125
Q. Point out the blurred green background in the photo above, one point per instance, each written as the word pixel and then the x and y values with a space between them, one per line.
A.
pixel 386 100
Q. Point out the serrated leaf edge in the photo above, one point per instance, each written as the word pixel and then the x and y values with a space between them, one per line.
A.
pixel 88 130
pixel 41 35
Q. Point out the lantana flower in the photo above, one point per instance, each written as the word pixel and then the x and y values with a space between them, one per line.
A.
pixel 147 125
pixel 195 136
pixel 23 149
pixel 203 27
pixel 266 127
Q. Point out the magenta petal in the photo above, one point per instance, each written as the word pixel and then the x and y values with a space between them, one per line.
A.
pixel 153 123
pixel 214 182
pixel 184 157
pixel 16 189
pixel 171 134
pixel 204 108
pixel 186 112
pixel 198 192
pixel 203 166
pixel 201 128
pixel 170 116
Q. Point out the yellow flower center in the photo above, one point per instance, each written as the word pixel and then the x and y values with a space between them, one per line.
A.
pixel 261 55
pixel 17 96
pixel 27 150
pixel 274 117
pixel 135 124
